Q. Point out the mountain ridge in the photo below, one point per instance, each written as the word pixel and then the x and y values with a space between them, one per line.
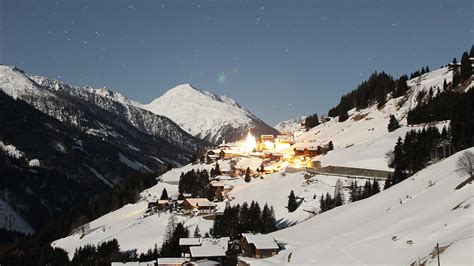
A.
pixel 219 117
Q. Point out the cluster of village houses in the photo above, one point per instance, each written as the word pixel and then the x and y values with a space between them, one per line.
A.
pixel 213 251
pixel 268 148
pixel 216 251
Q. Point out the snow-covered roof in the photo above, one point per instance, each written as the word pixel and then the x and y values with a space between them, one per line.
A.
pixel 205 262
pixel 171 260
pixel 222 242
pixel 207 251
pixel 206 204
pixel 190 241
pixel 194 201
pixel 217 184
pixel 261 241
pixel 133 263
pixel 224 177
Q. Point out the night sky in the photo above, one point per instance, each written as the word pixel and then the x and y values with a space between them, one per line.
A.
pixel 278 59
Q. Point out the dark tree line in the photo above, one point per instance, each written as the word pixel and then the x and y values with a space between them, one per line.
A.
pixel 329 202
pixel 196 183
pixel 358 193
pixel 420 72
pixel 239 219
pixel 464 72
pixel 454 106
pixel 414 152
pixel 311 121
pixel 374 89
pixel 215 171
pixel 170 247
pixel 103 254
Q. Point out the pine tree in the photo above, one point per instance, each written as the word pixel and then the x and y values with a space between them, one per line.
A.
pixel 401 87
pixel 398 162
pixel 311 121
pixel 375 187
pixel 217 169
pixel 164 195
pixel 244 218
pixel 354 193
pixel 292 204
pixel 247 175
pixel 322 203
pixel 170 247
pixel 339 193
pixel 388 182
pixel 254 217
pixel 367 191
pixel 181 183
pixel 466 67
pixel 393 124
pixel 330 146
pixel 267 220
pixel 197 232
pixel 343 115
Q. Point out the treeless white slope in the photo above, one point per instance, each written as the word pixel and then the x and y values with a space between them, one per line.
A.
pixel 204 114
pixel 397 226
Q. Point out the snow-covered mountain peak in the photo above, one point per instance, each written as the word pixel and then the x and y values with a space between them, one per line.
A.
pixel 14 82
pixel 207 115
pixel 187 90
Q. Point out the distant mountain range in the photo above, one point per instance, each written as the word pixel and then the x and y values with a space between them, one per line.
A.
pixel 79 141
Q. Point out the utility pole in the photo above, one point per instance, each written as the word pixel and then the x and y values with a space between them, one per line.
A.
pixel 437 250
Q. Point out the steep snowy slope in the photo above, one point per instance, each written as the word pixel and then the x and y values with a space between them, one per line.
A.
pixel 99 112
pixel 398 226
pixel 363 140
pixel 206 115
pixel 47 167
pixel 291 125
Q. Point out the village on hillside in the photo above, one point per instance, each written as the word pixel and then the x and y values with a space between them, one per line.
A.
pixel 222 168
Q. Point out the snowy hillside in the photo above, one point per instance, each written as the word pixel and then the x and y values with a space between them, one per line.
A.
pixel 206 115
pixel 363 140
pixel 134 229
pixel 399 226
pixel 291 125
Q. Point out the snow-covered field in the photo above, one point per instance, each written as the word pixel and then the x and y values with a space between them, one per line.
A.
pixel 130 226
pixel 135 230
pixel 398 226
